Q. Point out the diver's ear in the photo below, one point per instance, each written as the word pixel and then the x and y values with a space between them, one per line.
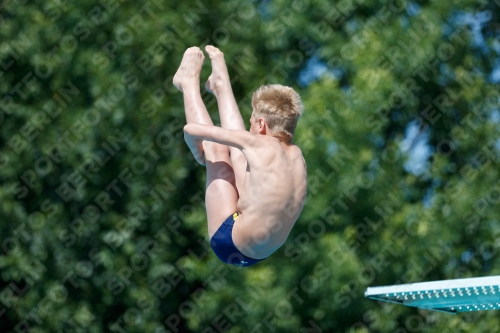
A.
pixel 262 126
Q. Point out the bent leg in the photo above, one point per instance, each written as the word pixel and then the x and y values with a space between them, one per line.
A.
pixel 220 85
pixel 221 197
pixel 187 80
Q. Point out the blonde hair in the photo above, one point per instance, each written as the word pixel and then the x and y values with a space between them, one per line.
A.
pixel 280 106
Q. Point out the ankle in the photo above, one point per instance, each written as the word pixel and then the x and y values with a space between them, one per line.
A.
pixel 221 87
pixel 190 78
pixel 190 85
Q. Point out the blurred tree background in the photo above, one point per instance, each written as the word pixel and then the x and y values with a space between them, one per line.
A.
pixel 102 222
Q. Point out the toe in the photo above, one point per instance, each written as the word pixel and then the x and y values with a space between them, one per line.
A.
pixel 212 50
pixel 193 49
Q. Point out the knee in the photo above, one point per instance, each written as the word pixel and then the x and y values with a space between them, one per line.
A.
pixel 238 158
pixel 216 150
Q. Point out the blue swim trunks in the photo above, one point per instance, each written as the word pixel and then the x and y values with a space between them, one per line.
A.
pixel 223 246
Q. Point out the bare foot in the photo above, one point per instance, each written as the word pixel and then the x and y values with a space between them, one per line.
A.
pixel 190 68
pixel 220 76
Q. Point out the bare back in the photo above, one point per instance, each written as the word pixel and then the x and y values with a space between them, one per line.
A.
pixel 272 198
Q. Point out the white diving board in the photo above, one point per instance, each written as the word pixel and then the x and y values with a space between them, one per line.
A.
pixel 451 296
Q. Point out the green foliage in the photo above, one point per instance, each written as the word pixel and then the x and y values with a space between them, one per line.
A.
pixel 102 218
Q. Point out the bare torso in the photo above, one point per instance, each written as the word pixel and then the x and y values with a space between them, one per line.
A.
pixel 272 197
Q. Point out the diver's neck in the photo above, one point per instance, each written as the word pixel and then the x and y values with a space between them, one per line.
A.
pixel 282 140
